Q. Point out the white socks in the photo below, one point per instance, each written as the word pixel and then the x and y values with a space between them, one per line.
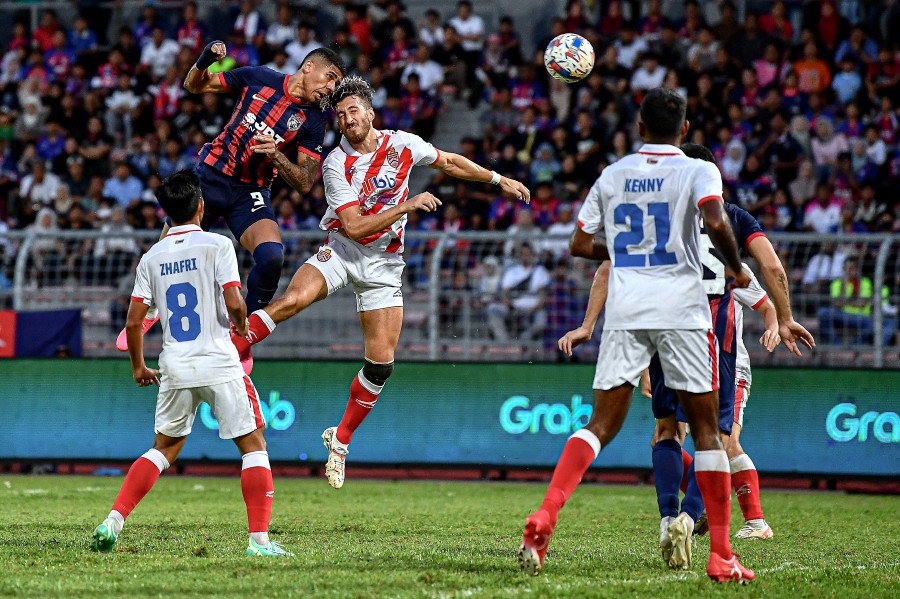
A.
pixel 741 463
pixel 158 459
pixel 119 520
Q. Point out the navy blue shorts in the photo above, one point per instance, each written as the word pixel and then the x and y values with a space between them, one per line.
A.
pixel 241 204
pixel 665 400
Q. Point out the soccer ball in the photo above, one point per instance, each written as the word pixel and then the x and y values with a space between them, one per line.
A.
pixel 569 57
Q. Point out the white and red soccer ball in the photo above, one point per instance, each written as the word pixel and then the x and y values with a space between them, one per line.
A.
pixel 569 57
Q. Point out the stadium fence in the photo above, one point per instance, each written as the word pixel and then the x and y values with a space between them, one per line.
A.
pixel 455 309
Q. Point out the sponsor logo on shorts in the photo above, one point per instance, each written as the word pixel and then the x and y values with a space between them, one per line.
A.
pixel 324 255
pixel 393 158
pixel 296 121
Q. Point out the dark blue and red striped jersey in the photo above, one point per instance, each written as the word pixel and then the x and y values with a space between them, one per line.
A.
pixel 721 301
pixel 264 108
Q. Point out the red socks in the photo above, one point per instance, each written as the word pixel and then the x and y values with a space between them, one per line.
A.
pixel 260 325
pixel 142 475
pixel 714 480
pixel 687 460
pixel 581 449
pixel 745 481
pixel 363 395
pixel 258 490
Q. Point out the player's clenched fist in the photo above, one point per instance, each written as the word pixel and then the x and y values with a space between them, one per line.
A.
pixel 741 280
pixel 219 50
pixel 424 201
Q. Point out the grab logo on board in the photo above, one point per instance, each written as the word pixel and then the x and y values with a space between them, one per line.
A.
pixel 518 416
pixel 278 414
pixel 843 425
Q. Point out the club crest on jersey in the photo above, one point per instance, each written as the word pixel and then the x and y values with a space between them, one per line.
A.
pixel 296 121
pixel 324 255
pixel 393 158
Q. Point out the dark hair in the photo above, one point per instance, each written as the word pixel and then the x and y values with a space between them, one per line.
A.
pixel 351 86
pixel 662 112
pixel 179 196
pixel 328 56
pixel 698 151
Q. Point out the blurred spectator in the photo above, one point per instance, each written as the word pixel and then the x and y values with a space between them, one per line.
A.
pixel 191 32
pixel 280 62
pixel 520 304
pixel 159 54
pixel 303 44
pixel 284 30
pixel 43 35
pixel 813 72
pixel 51 143
pixel 823 214
pixel 849 317
pixel 421 108
pixel 40 186
pixel 629 47
pixel 114 255
pixel 123 187
pixel 430 73
pixel 248 24
pixel 847 82
pixel 470 28
pixel 385 31
pixel 826 146
pixel 869 209
pixel 559 233
pixel 564 306
pixel 876 149
pixel 431 32
pixel 649 75
pixel 121 107
pixel 46 252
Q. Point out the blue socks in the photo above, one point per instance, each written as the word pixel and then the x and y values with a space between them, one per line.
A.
pixel 692 504
pixel 667 472
pixel 262 282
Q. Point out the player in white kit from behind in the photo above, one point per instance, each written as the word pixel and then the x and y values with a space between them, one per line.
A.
pixel 648 205
pixel 367 188
pixel 192 277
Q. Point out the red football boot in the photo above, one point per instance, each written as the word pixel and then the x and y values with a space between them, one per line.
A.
pixel 535 540
pixel 728 570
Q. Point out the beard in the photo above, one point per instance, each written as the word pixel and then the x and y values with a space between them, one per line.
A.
pixel 359 132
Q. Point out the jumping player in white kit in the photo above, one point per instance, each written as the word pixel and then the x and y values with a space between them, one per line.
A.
pixel 192 277
pixel 367 188
pixel 648 204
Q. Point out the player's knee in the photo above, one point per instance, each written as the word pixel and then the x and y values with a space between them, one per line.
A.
pixel 376 372
pixel 269 259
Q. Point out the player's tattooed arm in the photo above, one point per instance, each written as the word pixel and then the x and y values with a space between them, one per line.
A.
pixel 777 283
pixel 300 176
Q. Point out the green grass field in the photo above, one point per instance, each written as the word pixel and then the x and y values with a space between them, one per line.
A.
pixel 419 539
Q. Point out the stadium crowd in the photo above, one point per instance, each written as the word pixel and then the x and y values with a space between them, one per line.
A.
pixel 799 101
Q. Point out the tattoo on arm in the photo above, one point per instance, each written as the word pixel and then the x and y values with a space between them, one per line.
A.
pixel 301 177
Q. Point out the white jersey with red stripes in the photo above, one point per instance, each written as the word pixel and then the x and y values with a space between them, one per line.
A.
pixel 184 275
pixel 374 182
pixel 753 297
pixel 647 204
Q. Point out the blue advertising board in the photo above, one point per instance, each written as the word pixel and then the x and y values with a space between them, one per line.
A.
pixel 515 415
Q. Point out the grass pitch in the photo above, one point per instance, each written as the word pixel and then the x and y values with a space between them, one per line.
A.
pixel 420 539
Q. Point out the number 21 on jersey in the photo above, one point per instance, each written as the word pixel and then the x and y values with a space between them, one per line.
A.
pixel 632 216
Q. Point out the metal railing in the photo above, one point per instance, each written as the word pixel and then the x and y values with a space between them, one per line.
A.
pixel 467 297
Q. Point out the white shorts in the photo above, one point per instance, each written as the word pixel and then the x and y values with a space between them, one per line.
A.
pixel 235 405
pixel 376 275
pixel 689 358
pixel 741 395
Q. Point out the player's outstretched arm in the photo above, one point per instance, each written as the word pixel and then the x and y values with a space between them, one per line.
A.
pixel 777 283
pixel 461 167
pixel 237 310
pixel 596 301
pixel 143 376
pixel 199 80
pixel 718 227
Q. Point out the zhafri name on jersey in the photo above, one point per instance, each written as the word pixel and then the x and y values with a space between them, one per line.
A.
pixel 173 268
